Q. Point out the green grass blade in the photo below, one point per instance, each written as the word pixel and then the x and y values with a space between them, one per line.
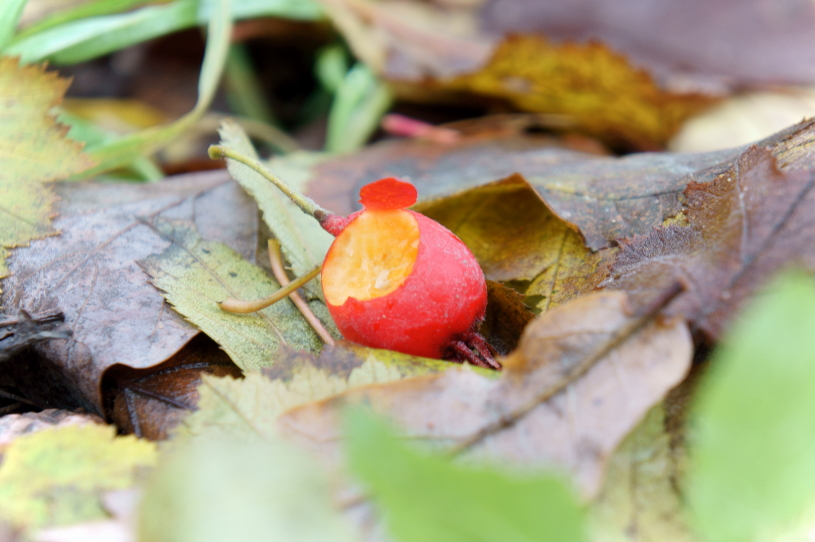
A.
pixel 78 40
pixel 89 38
pixel 10 12
pixel 83 11
pixel 125 150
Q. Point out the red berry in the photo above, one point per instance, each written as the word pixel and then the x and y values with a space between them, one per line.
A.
pixel 396 279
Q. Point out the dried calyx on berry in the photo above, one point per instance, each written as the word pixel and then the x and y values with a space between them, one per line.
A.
pixel 394 278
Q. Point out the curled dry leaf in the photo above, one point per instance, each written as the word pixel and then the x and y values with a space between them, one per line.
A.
pixel 604 198
pixel 90 273
pixel 584 375
pixel 742 229
pixel 516 237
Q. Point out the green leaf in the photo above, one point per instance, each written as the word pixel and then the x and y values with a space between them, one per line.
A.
pixel 213 490
pixel 195 274
pixel 303 241
pixel 247 409
pixel 56 476
pixel 431 499
pixel 752 468
pixel 10 12
pixel 34 150
pixel 359 104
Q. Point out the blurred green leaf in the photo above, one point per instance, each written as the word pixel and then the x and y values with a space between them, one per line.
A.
pixel 214 490
pixel 195 274
pixel 358 106
pixel 431 499
pixel 752 469
pixel 10 12
pixel 56 476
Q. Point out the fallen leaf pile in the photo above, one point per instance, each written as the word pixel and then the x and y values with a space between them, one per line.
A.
pixel 629 298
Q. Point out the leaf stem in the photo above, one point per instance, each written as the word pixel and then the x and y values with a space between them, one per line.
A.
pixel 245 307
pixel 276 259
pixel 306 204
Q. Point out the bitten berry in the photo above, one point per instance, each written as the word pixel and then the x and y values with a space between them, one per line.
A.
pixel 396 279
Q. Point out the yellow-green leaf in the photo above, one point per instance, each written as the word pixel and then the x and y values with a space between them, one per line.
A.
pixel 196 274
pixel 55 477
pixel 33 150
pixel 248 408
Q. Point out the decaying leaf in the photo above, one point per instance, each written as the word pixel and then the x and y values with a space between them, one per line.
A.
pixel 248 408
pixel 605 198
pixel 640 500
pixel 515 237
pixel 594 86
pixel 584 375
pixel 151 402
pixel 55 477
pixel 34 150
pixel 90 273
pixel 195 275
pixel 742 229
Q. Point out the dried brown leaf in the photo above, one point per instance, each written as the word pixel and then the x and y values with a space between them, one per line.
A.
pixel 90 274
pixel 605 198
pixel 584 375
pixel 743 228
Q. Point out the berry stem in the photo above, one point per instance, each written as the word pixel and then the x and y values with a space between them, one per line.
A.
pixel 307 205
pixel 245 307
pixel 276 259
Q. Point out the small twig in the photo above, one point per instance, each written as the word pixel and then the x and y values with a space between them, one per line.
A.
pixel 276 259
pixel 245 307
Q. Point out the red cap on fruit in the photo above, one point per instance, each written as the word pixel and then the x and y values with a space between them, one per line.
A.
pixel 388 193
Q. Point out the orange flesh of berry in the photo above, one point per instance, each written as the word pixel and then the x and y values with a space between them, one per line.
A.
pixel 372 257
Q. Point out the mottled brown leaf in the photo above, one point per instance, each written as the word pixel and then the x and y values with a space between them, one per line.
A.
pixel 743 228
pixel 584 375
pixel 90 273
pixel 605 198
